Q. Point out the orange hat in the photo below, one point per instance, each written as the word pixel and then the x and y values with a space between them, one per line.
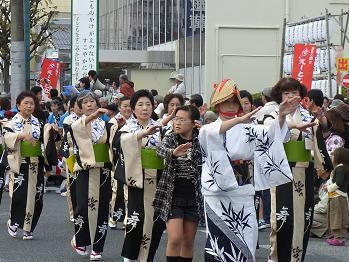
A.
pixel 224 91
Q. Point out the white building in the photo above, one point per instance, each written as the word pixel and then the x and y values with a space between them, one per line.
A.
pixel 234 39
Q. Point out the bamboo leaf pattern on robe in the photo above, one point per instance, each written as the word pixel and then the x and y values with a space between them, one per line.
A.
pixel 263 145
pixel 213 172
pixel 236 221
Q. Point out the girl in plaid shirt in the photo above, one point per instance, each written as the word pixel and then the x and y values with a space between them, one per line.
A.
pixel 178 200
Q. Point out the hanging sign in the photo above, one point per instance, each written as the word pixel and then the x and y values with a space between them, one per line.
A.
pixel 84 38
pixel 342 64
pixel 50 70
pixel 303 64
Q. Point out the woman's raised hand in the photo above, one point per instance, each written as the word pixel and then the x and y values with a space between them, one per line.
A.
pixel 181 150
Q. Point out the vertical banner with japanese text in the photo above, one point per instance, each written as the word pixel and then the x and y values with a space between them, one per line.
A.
pixel 84 38
pixel 195 16
pixel 50 70
pixel 303 64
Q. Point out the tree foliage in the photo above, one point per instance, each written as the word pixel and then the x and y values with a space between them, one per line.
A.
pixel 42 13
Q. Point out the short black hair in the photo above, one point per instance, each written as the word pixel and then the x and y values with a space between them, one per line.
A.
pixel 197 100
pixel 317 96
pixel 244 93
pixel 124 98
pixel 339 96
pixel 154 92
pixel 5 103
pixel 193 111
pixel 258 101
pixel 53 93
pixel 72 101
pixel 85 81
pixel 138 94
pixel 92 73
pixel 112 107
pixel 287 84
pixel 25 94
pixel 55 102
pixel 169 97
pixel 36 89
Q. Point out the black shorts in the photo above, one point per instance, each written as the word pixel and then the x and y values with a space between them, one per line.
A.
pixel 185 209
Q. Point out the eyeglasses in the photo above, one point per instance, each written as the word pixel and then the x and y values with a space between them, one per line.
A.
pixel 181 120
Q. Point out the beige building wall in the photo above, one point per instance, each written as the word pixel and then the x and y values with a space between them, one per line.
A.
pixel 245 38
pixel 62 5
pixel 151 79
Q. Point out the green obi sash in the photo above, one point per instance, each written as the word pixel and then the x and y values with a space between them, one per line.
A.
pixel 296 152
pixel 29 150
pixel 150 160
pixel 101 152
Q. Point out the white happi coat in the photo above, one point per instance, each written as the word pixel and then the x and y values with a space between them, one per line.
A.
pixel 229 208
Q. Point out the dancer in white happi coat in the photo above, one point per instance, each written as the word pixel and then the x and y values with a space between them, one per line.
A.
pixel 228 193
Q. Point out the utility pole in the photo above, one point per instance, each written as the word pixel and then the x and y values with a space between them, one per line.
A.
pixel 18 57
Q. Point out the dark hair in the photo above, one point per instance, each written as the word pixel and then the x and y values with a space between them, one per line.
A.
pixel 244 93
pixel 53 93
pixel 325 97
pixel 36 89
pixel 287 84
pixel 85 81
pixel 124 98
pixel 5 104
pixel 317 96
pixel 138 94
pixel 154 92
pixel 339 96
pixel 86 94
pixel 258 101
pixel 169 97
pixel 197 100
pixel 336 121
pixel 193 111
pixel 25 94
pixel 92 73
pixel 341 156
pixel 112 107
pixel 55 102
pixel 72 101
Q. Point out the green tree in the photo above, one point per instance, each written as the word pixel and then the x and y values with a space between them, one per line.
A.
pixel 42 13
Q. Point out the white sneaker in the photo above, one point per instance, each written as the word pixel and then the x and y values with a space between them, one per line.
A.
pixel 112 225
pixel 12 230
pixel 95 256
pixel 27 236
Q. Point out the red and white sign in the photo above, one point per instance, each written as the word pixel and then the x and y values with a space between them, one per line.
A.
pixel 345 81
pixel 303 64
pixel 50 70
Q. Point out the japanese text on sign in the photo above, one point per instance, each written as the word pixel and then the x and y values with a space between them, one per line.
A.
pixel 303 64
pixel 84 36
pixel 196 16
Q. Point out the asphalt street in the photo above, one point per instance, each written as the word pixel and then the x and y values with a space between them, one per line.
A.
pixel 54 231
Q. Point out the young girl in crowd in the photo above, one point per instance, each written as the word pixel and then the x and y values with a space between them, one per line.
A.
pixel 178 199
pixel 338 198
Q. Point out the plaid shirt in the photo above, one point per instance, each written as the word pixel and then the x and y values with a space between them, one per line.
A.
pixel 165 187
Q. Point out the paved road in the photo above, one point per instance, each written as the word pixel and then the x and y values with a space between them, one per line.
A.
pixel 54 231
